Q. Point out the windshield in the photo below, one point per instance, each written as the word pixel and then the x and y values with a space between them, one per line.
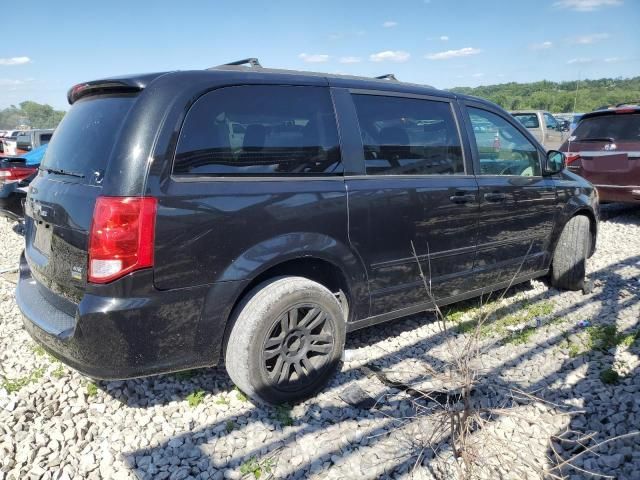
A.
pixel 528 120
pixel 616 126
pixel 85 138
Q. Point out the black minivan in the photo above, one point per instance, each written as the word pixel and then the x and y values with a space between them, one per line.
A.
pixel 256 216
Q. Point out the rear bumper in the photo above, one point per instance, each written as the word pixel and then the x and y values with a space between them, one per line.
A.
pixel 141 332
pixel 619 193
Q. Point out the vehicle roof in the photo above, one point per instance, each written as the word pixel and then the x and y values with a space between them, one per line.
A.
pixel 533 110
pixel 630 109
pixel 141 81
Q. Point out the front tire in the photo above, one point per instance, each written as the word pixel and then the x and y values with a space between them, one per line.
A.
pixel 286 341
pixel 568 268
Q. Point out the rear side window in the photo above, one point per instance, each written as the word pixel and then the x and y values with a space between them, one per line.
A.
pixel 45 138
pixel 406 136
pixel 260 130
pixel 87 134
pixel 528 120
pixel 615 127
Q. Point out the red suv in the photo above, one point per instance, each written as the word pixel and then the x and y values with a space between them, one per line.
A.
pixel 605 149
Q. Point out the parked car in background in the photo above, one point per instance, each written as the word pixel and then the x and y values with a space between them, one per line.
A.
pixel 543 126
pixel 605 149
pixel 15 175
pixel 8 142
pixel 574 121
pixel 166 233
pixel 30 139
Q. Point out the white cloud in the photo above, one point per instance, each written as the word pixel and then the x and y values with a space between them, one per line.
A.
pixel 444 38
pixel 14 61
pixel 390 56
pixel 390 24
pixel 589 39
pixel 350 59
pixel 542 46
pixel 463 52
pixel 613 59
pixel 581 60
pixel 9 82
pixel 477 75
pixel 336 36
pixel 586 5
pixel 314 58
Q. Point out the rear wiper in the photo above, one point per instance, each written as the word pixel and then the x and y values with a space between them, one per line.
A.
pixel 595 139
pixel 59 171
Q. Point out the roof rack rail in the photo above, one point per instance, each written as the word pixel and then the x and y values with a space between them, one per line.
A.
pixel 388 76
pixel 252 62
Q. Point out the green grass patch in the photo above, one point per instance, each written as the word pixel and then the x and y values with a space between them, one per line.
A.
pixel 574 350
pixel 609 376
pixel 185 374
pixel 520 337
pixel 282 415
pixel 230 427
pixel 92 389
pixel 222 401
pixel 257 468
pixel 240 395
pixel 58 372
pixel 38 350
pixel 14 385
pixel 195 398
pixel 526 313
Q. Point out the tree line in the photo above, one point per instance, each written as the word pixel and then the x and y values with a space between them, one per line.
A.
pixel 30 114
pixel 582 96
pixel 545 95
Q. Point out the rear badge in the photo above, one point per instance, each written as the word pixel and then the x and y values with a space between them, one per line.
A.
pixel 76 273
pixel 610 146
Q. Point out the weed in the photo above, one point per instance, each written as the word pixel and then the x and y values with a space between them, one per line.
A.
pixel 16 384
pixel 256 468
pixel 38 350
pixel 240 396
pixel 58 372
pixel 222 401
pixel 627 340
pixel 574 350
pixel 609 376
pixel 520 337
pixel 282 414
pixel 92 389
pixel 602 337
pixel 231 426
pixel 195 398
pixel 185 374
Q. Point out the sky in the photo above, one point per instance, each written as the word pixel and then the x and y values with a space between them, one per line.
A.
pixel 444 43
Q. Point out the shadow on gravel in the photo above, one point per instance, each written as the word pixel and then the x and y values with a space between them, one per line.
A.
pixel 200 448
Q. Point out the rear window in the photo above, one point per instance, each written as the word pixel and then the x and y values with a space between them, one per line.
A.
pixel 617 127
pixel 528 120
pixel 85 138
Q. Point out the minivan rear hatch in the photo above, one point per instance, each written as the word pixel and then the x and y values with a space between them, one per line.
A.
pixel 608 146
pixel 59 206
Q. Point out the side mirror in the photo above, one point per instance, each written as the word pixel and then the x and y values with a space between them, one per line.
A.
pixel 554 162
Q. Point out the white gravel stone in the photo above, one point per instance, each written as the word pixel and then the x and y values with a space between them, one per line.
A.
pixel 138 429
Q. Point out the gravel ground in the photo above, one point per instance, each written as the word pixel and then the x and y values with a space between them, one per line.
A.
pixel 54 423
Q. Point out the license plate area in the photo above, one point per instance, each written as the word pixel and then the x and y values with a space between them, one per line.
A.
pixel 42 237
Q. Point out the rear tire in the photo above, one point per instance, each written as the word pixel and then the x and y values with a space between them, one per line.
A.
pixel 568 268
pixel 286 341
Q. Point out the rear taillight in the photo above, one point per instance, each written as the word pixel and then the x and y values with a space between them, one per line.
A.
pixel 15 174
pixel 121 237
pixel 572 157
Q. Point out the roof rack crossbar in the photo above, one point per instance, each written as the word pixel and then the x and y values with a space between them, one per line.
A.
pixel 388 76
pixel 252 62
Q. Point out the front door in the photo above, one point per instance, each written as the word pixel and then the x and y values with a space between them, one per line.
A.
pixel 415 189
pixel 517 204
